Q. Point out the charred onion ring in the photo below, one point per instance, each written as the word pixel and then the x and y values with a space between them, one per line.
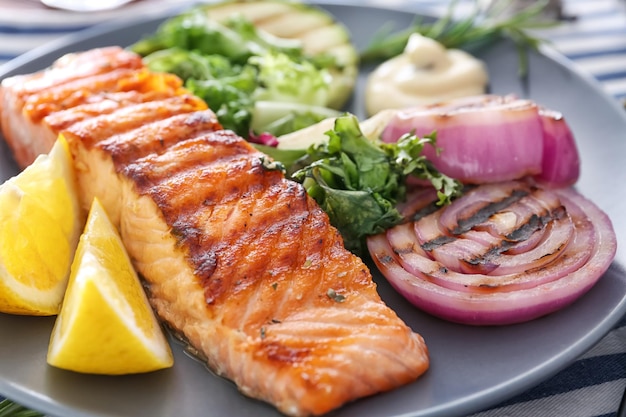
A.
pixel 560 163
pixel 502 253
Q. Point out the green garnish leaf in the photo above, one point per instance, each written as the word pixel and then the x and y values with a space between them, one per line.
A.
pixel 358 181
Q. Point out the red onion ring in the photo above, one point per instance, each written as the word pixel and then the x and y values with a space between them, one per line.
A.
pixel 492 138
pixel 567 254
pixel 477 135
pixel 561 164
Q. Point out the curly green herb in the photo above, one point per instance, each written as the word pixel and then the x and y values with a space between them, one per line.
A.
pixel 359 182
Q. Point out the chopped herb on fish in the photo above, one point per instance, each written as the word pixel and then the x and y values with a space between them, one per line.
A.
pixel 332 294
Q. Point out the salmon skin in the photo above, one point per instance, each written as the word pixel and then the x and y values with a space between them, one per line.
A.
pixel 237 259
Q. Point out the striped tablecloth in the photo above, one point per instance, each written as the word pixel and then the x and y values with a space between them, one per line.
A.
pixel 594 39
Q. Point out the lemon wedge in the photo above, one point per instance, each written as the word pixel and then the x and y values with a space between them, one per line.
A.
pixel 106 324
pixel 40 224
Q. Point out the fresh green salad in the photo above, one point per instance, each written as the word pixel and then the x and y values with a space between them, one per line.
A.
pixel 257 83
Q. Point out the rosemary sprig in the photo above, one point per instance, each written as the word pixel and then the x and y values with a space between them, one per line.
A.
pixel 481 28
pixel 10 408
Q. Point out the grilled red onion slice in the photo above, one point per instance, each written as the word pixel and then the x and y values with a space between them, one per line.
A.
pixel 561 163
pixel 483 138
pixel 501 254
pixel 492 138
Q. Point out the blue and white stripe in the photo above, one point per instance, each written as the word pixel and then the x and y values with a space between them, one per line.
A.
pixel 590 387
pixel 596 41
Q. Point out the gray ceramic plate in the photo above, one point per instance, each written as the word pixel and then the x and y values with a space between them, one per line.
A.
pixel 472 368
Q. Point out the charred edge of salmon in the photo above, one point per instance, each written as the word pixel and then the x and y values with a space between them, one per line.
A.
pixel 72 67
pixel 127 119
pixel 94 87
pixel 67 93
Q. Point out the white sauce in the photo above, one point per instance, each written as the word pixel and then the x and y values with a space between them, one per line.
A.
pixel 426 72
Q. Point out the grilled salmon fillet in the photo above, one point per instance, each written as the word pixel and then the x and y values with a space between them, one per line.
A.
pixel 237 259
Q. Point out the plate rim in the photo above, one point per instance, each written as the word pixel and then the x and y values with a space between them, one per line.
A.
pixel 557 363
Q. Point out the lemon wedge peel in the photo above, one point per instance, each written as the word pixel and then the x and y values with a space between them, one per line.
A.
pixel 40 224
pixel 106 324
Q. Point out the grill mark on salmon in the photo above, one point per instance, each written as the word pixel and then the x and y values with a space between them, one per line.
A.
pixel 236 166
pixel 158 136
pixel 72 93
pixel 131 117
pixel 99 94
pixel 101 104
pixel 238 260
pixel 73 67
